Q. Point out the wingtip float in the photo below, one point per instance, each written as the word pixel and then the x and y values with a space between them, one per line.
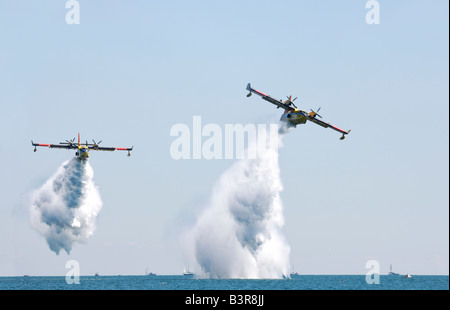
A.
pixel 294 116
pixel 82 149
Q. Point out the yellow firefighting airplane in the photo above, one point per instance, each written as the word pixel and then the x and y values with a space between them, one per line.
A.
pixel 292 115
pixel 82 149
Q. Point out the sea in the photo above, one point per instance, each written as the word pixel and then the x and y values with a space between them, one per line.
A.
pixel 180 282
pixel 179 291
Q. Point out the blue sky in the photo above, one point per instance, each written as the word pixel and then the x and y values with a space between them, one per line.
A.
pixel 130 71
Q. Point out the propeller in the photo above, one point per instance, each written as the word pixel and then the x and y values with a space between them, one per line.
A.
pixel 292 101
pixel 70 141
pixel 316 113
pixel 95 143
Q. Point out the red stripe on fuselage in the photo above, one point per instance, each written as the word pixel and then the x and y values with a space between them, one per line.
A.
pixel 339 129
pixel 43 144
pixel 121 148
pixel 258 92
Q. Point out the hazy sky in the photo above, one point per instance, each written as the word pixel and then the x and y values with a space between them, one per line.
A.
pixel 130 70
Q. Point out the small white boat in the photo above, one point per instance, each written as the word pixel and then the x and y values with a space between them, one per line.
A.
pixel 392 273
pixel 408 276
pixel 186 272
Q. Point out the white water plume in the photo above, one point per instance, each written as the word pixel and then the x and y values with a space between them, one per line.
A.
pixel 65 208
pixel 239 234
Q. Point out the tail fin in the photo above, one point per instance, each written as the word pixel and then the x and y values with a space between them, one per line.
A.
pixel 345 133
pixel 249 88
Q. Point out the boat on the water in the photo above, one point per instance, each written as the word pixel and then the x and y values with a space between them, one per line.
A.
pixel 187 273
pixel 149 273
pixel 392 273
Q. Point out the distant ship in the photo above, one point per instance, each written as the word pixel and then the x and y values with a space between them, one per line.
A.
pixel 294 273
pixel 408 276
pixel 147 273
pixel 392 273
pixel 186 272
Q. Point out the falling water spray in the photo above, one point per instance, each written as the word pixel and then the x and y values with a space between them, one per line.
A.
pixel 239 234
pixel 65 208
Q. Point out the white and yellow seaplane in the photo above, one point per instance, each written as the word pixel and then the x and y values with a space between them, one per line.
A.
pixel 292 115
pixel 82 149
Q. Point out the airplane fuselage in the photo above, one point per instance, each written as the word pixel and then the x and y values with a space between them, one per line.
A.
pixel 294 118
pixel 82 153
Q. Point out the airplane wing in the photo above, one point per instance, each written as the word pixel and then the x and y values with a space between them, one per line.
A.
pixel 56 146
pixel 278 103
pixel 103 148
pixel 326 125
pixel 71 145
